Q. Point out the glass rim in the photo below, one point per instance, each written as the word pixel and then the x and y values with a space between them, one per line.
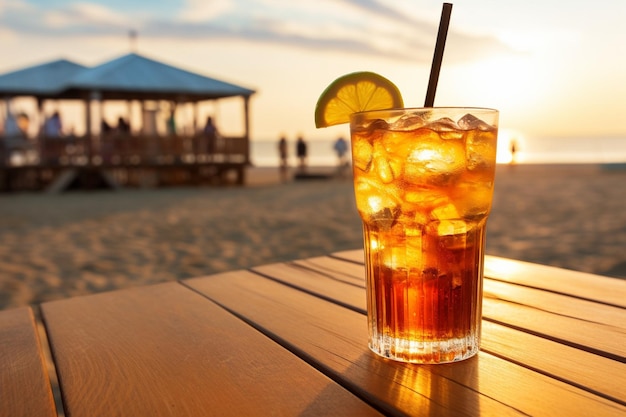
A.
pixel 409 109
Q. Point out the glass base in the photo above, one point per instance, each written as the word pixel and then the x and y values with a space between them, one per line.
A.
pixel 432 352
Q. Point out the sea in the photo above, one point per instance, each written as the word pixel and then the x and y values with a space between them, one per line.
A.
pixel 561 150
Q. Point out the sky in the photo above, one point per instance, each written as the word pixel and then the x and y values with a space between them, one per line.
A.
pixel 552 68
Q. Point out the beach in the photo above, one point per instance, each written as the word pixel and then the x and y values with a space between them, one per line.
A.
pixel 54 246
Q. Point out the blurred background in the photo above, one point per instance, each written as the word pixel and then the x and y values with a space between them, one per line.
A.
pixel 555 72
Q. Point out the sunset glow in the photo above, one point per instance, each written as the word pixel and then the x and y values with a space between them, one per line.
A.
pixel 549 72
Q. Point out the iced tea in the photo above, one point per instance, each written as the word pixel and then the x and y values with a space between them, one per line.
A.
pixel 423 182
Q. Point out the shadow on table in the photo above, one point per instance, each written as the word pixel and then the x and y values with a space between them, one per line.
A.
pixel 395 388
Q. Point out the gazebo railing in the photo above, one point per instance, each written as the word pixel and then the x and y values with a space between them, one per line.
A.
pixel 125 150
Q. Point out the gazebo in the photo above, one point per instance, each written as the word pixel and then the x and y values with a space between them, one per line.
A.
pixel 41 81
pixel 131 78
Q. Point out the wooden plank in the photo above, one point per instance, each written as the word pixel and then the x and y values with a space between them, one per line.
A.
pixel 559 304
pixel 596 325
pixel 577 367
pixel 579 284
pixel 334 338
pixel 335 268
pixel 24 383
pixel 317 282
pixel 164 350
pixel 600 328
pixel 601 339
pixel 355 255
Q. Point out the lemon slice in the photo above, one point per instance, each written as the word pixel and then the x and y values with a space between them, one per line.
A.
pixel 352 93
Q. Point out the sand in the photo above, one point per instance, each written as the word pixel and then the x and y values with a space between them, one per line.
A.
pixel 75 243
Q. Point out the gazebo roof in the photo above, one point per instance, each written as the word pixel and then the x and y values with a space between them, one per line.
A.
pixel 44 80
pixel 134 76
pixel 128 77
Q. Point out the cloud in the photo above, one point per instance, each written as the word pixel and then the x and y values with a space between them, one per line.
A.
pixel 86 19
pixel 370 27
pixel 203 10
pixel 380 10
pixel 86 16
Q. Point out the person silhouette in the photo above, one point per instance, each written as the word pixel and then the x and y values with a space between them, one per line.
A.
pixel 53 127
pixel 301 153
pixel 282 153
pixel 341 149
pixel 210 134
pixel 123 126
pixel 513 147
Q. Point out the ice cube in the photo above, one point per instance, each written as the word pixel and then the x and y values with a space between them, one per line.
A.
pixel 391 152
pixel 405 256
pixel 381 165
pixel 378 124
pixel 435 164
pixel 361 152
pixel 473 199
pixel 445 123
pixel 451 228
pixel 446 128
pixel 480 149
pixel 471 122
pixel 376 202
pixel 445 211
pixel 396 143
pixel 410 222
pixel 397 166
pixel 424 198
pixel 447 229
pixel 384 217
pixel 363 138
pixel 409 121
pixel 450 234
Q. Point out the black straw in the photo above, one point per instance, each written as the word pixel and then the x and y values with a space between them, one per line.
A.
pixel 438 56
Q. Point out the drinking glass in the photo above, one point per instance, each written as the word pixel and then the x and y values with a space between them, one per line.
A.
pixel 423 182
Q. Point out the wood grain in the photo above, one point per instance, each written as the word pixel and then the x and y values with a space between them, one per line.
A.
pixel 335 268
pixel 165 350
pixel 594 373
pixel 599 314
pixel 590 325
pixel 524 296
pixel 24 384
pixel 578 284
pixel 318 282
pixel 603 340
pixel 356 256
pixel 334 338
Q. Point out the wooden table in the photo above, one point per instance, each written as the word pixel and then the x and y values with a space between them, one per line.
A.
pixel 290 339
